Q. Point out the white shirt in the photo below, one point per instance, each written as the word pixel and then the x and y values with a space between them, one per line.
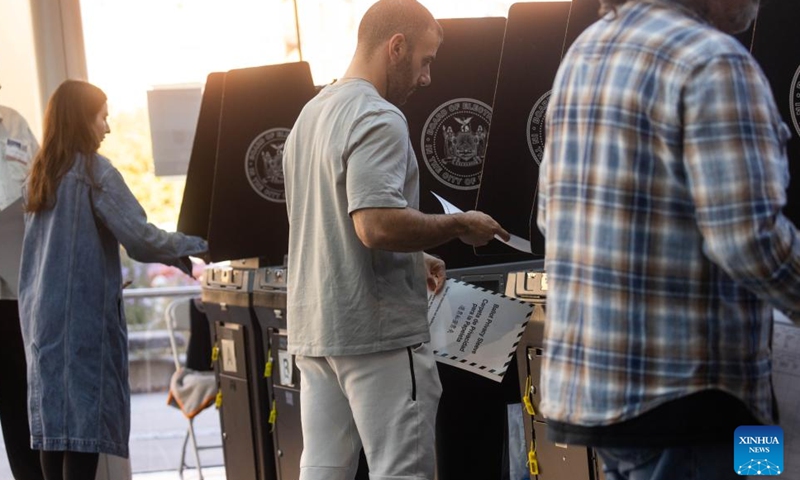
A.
pixel 18 146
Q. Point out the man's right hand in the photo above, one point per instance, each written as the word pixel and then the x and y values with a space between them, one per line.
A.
pixel 409 230
pixel 481 228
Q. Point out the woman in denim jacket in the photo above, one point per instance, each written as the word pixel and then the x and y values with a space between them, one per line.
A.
pixel 79 210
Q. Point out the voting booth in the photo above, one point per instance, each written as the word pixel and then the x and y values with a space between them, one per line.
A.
pixel 472 419
pixel 449 123
pixel 776 47
pixel 234 197
pixel 536 37
pixel 259 107
pixel 238 363
pixel 532 51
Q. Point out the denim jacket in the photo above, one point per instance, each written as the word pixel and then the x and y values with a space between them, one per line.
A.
pixel 71 310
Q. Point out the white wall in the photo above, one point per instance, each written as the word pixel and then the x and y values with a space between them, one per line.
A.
pixel 41 45
pixel 18 71
pixel 58 38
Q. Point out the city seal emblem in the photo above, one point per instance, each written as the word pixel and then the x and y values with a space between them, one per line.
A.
pixel 535 128
pixel 794 101
pixel 264 164
pixel 454 142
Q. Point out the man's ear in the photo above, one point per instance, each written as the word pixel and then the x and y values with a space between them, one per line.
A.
pixel 398 47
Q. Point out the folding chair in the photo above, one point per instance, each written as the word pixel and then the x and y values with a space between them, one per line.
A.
pixel 190 391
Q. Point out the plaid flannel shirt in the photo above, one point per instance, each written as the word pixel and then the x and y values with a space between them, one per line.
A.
pixel 660 196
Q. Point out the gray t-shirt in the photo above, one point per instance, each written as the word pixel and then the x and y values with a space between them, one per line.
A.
pixel 350 150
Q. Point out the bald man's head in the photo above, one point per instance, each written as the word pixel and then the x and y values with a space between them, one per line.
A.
pixel 387 18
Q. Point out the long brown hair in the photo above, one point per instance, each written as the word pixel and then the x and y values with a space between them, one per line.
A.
pixel 68 132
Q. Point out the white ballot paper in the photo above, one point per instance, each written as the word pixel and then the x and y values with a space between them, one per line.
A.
pixel 515 242
pixel 476 329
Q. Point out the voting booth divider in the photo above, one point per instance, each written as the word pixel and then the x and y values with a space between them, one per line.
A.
pixel 776 47
pixel 449 123
pixel 532 50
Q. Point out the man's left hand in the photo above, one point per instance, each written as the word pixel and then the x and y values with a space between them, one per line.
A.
pixel 436 273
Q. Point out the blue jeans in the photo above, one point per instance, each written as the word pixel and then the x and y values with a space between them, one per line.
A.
pixel 705 462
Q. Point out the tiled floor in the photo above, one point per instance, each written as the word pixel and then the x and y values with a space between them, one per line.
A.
pixel 157 433
pixel 213 473
pixel 158 430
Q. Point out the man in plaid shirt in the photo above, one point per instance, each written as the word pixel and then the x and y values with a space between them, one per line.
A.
pixel 660 196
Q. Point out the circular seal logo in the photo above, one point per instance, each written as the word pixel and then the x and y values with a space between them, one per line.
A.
pixel 535 128
pixel 454 142
pixel 263 164
pixel 794 100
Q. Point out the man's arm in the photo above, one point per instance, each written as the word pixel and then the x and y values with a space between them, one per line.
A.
pixel 409 230
pixel 736 164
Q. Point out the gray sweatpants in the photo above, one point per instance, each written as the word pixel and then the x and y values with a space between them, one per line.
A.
pixel 386 401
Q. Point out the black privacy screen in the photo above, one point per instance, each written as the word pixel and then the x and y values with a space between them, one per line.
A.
pixel 776 46
pixel 247 213
pixel 532 50
pixel 196 204
pixel 449 122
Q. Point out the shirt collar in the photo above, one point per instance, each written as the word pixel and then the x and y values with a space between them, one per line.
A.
pixel 679 6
